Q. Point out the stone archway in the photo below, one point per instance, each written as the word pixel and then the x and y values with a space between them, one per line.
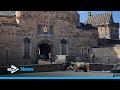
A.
pixel 45 50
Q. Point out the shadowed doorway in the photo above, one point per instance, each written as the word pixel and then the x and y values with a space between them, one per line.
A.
pixel 44 51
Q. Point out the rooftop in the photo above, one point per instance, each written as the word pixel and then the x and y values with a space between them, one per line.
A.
pixel 99 19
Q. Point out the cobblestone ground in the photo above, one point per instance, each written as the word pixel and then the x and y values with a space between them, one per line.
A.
pixel 66 73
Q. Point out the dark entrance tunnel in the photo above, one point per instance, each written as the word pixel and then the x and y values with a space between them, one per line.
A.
pixel 43 51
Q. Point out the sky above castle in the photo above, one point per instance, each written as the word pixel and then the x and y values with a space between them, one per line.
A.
pixel 84 15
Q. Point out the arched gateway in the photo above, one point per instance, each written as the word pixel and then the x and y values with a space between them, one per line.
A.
pixel 46 50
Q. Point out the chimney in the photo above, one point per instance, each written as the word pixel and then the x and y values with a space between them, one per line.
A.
pixel 89 13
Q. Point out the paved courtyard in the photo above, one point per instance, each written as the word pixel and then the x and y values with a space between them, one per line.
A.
pixel 66 73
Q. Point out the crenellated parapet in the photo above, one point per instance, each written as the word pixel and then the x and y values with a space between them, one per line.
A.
pixel 71 16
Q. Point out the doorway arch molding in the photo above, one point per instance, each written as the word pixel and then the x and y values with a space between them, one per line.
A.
pixel 49 42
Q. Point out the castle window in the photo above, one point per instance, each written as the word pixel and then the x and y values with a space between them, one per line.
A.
pixel 26 47
pixel 63 47
pixel 82 51
pixel 39 29
pixel 101 29
pixel 85 49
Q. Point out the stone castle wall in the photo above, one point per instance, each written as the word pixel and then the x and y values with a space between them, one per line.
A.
pixel 107 55
pixel 78 43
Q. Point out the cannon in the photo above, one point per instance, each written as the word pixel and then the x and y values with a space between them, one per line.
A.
pixel 81 66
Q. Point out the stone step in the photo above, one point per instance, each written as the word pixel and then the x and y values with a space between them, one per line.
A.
pixel 45 62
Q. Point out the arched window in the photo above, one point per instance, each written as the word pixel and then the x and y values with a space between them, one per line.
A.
pixel 63 47
pixel 82 51
pixel 26 47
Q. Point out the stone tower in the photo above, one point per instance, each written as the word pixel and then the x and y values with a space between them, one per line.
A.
pixel 107 28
